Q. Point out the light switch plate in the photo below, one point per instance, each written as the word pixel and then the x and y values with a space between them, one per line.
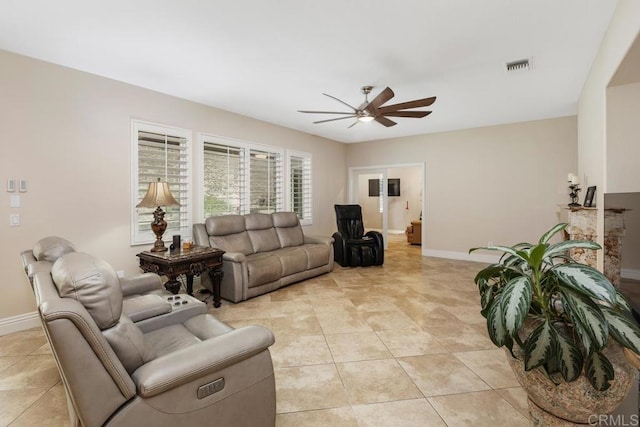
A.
pixel 14 220
pixel 14 201
pixel 11 185
pixel 23 185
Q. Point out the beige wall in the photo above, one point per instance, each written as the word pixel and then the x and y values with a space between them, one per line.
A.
pixel 68 134
pixel 631 241
pixel 500 183
pixel 410 189
pixel 371 216
pixel 623 138
pixel 592 118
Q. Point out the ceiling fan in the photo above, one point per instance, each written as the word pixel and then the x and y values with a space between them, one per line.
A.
pixel 374 109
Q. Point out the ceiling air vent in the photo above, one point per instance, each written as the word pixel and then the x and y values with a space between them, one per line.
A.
pixel 519 65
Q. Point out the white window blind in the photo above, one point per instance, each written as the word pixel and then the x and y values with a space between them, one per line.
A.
pixel 223 179
pixel 300 190
pixel 160 152
pixel 240 177
pixel 265 181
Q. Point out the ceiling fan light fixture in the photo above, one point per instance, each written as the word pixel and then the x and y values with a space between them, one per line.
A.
pixel 366 118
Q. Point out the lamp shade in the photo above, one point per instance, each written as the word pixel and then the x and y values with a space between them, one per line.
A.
pixel 158 194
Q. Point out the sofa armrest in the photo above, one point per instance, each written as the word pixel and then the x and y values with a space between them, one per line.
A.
pixel 140 284
pixel 201 359
pixel 318 239
pixel 234 256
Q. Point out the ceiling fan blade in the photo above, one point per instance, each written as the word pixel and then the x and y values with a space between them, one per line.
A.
pixel 353 124
pixel 383 120
pixel 333 120
pixel 324 112
pixel 340 101
pixel 409 104
pixel 382 97
pixel 415 114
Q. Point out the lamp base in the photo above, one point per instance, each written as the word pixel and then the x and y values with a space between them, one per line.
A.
pixel 158 226
pixel 158 246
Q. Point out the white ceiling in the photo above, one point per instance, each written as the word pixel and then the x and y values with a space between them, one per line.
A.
pixel 269 58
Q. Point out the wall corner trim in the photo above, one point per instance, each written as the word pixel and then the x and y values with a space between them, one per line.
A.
pixel 19 323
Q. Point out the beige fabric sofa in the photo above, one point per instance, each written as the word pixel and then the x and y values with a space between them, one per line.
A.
pixel 189 371
pixel 263 252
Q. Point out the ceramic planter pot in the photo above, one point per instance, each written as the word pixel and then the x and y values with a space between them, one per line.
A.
pixel 577 400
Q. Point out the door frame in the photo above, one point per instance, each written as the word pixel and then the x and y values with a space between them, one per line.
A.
pixel 355 171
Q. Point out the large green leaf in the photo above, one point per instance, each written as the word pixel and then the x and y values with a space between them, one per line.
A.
pixel 515 301
pixel 569 357
pixel 587 319
pixel 486 297
pixel 623 329
pixel 558 249
pixel 496 248
pixel 598 371
pixel 538 346
pixel 544 239
pixel 495 327
pixel 491 272
pixel 537 255
pixel 623 302
pixel 586 280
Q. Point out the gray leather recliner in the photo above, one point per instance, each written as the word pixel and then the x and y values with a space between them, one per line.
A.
pixel 193 371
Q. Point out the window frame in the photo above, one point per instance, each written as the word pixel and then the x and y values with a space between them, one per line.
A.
pixel 146 237
pixel 307 196
pixel 247 148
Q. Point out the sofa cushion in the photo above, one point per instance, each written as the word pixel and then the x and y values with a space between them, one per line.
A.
pixel 263 268
pixel 227 232
pixel 288 229
pixel 293 260
pixel 206 326
pixel 170 338
pixel 317 255
pixel 51 248
pixel 129 344
pixel 261 232
pixel 93 283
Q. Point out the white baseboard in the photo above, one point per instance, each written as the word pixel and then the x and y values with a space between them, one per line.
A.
pixel 627 273
pixel 19 323
pixel 476 257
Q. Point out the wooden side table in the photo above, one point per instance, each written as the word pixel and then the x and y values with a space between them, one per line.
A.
pixel 190 262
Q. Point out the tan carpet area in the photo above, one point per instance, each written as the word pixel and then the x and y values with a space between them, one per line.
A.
pixel 398 345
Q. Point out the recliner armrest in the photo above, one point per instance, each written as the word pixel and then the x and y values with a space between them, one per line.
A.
pixel 234 256
pixel 140 284
pixel 201 359
pixel 318 239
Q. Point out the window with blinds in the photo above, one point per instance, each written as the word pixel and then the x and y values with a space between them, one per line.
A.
pixel 223 179
pixel 160 152
pixel 240 178
pixel 299 179
pixel 265 181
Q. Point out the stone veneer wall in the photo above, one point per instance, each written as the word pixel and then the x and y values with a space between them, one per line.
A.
pixel 583 226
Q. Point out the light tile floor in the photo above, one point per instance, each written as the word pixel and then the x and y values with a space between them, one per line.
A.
pixel 397 345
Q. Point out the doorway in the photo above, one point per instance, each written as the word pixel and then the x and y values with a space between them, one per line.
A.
pixel 400 197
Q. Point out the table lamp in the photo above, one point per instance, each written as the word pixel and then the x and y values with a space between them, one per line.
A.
pixel 158 195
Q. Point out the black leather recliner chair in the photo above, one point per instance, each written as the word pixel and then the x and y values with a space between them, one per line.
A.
pixel 351 246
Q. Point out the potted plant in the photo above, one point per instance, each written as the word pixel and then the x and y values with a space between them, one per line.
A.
pixel 562 317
